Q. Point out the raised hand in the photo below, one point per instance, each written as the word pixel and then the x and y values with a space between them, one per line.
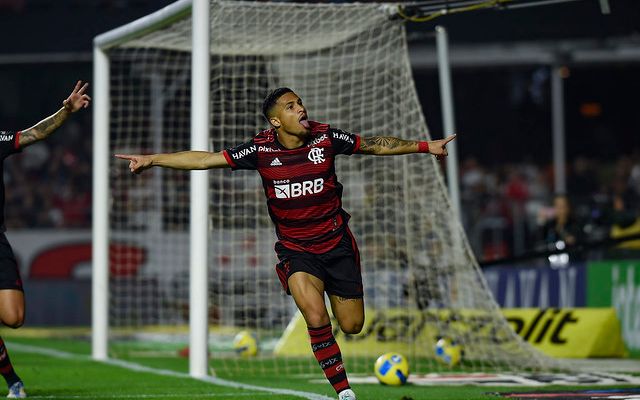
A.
pixel 137 163
pixel 77 99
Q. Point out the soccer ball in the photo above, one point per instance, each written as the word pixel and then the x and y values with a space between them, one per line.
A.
pixel 392 369
pixel 245 344
pixel 448 352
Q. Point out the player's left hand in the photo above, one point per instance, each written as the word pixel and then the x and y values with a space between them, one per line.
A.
pixel 439 147
pixel 77 99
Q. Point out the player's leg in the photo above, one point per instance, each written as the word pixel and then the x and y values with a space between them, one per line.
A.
pixel 308 292
pixel 12 312
pixel 12 307
pixel 349 312
pixel 344 284
pixel 14 383
pixel 12 315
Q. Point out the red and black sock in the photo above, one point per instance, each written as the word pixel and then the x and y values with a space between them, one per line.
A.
pixel 6 369
pixel 327 353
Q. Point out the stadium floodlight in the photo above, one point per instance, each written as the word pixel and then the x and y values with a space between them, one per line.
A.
pixel 350 64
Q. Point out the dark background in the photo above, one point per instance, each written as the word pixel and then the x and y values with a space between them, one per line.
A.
pixel 509 105
pixel 503 112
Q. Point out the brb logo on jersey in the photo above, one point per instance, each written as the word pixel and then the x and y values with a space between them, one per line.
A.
pixel 297 189
pixel 316 154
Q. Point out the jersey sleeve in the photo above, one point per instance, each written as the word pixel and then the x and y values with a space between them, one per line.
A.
pixel 243 156
pixel 344 142
pixel 9 143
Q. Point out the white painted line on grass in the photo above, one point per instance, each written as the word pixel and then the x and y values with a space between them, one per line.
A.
pixel 159 396
pixel 142 368
pixel 49 352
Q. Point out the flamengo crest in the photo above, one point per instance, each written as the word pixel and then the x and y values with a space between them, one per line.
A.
pixel 316 154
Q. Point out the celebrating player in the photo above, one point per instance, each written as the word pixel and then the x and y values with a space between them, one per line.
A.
pixel 317 252
pixel 11 291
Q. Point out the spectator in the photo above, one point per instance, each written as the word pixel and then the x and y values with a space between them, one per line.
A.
pixel 625 222
pixel 563 229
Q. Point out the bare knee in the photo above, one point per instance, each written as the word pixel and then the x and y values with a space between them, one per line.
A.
pixel 14 320
pixel 316 318
pixel 308 293
pixel 14 323
pixel 351 327
pixel 12 308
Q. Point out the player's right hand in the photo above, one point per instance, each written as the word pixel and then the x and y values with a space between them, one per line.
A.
pixel 137 163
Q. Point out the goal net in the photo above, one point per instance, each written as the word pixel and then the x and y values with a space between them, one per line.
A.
pixel 349 63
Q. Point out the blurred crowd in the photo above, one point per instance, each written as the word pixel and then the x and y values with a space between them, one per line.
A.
pixel 507 210
pixel 512 209
pixel 48 185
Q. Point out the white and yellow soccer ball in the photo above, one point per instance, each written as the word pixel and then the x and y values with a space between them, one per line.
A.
pixel 245 344
pixel 392 369
pixel 448 352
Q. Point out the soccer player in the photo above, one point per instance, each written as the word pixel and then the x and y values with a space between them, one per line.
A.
pixel 317 252
pixel 11 291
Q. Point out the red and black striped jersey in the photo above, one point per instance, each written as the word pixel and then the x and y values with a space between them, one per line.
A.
pixel 304 196
pixel 9 144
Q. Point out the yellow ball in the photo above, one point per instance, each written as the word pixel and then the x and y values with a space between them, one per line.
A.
pixel 392 369
pixel 448 352
pixel 245 344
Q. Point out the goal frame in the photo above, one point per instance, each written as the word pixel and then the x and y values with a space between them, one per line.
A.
pixel 200 70
pixel 198 273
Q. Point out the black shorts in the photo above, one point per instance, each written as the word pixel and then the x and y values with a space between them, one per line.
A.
pixel 9 272
pixel 338 268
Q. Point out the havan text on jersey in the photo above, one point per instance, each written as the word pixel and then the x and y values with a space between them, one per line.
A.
pixel 243 152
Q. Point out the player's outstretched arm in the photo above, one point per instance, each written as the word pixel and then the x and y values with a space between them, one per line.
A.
pixel 391 146
pixel 181 160
pixel 76 101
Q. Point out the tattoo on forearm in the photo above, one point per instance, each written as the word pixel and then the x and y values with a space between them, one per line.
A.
pixel 43 128
pixel 378 144
pixel 27 137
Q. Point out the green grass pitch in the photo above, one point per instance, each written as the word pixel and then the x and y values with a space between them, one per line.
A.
pixel 67 372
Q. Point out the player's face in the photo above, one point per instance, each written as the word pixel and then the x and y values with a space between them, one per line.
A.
pixel 290 116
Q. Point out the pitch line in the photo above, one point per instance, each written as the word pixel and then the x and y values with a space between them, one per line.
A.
pixel 159 396
pixel 141 368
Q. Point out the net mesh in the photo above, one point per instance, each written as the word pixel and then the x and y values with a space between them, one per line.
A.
pixel 349 63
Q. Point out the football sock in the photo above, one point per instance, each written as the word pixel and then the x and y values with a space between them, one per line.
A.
pixel 6 369
pixel 327 352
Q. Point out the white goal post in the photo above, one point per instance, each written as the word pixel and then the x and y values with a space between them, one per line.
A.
pixel 168 249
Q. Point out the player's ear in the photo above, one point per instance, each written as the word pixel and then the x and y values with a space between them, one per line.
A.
pixel 275 121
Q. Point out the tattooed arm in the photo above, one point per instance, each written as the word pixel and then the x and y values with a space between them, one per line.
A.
pixel 43 128
pixel 76 100
pixel 390 146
